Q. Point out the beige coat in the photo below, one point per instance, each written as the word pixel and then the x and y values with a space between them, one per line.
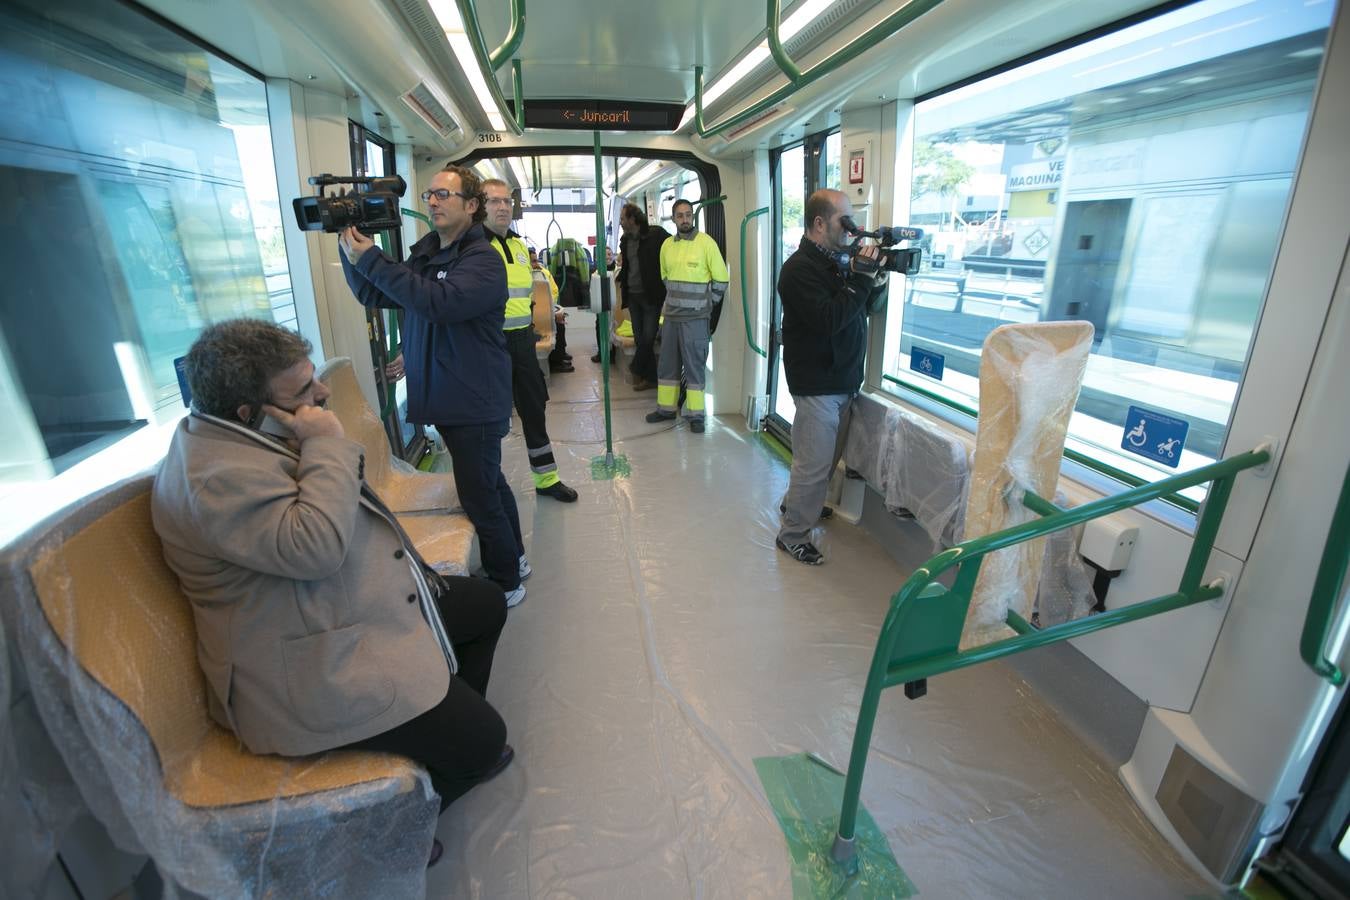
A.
pixel 310 624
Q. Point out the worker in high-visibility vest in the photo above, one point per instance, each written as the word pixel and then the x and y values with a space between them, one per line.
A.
pixel 696 281
pixel 527 379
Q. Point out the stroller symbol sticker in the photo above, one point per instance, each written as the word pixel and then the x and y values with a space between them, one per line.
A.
pixel 1154 435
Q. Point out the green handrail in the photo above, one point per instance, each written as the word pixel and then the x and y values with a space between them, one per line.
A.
pixel 469 14
pixel 1326 590
pixel 875 35
pixel 938 643
pixel 785 63
pixel 513 37
pixel 602 268
pixel 745 300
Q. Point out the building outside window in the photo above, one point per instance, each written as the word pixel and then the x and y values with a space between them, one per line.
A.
pixel 1138 182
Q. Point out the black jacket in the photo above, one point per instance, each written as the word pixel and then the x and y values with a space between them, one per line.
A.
pixel 454 302
pixel 649 265
pixel 825 322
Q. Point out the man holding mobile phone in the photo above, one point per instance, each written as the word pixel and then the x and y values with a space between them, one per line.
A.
pixel 318 625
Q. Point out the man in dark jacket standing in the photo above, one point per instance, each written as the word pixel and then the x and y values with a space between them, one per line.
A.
pixel 826 301
pixel 452 290
pixel 643 290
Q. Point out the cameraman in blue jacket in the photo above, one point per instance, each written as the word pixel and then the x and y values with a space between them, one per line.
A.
pixel 452 290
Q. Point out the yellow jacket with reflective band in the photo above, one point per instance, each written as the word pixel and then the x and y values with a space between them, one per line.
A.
pixel 519 280
pixel 695 276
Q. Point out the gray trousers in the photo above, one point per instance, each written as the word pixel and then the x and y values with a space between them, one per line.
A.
pixel 684 348
pixel 818 432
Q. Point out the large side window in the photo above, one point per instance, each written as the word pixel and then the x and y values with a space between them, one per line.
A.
pixel 1137 181
pixel 136 170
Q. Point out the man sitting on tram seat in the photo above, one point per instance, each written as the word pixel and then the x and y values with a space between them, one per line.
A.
pixel 826 303
pixel 695 278
pixel 452 290
pixel 559 360
pixel 318 625
pixel 527 381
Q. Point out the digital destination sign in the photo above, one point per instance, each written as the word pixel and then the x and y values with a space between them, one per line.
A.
pixel 603 115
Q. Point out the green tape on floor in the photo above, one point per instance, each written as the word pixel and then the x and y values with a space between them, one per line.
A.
pixel 806 796
pixel 776 447
pixel 603 469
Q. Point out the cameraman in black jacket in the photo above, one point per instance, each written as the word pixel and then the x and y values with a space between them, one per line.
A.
pixel 827 296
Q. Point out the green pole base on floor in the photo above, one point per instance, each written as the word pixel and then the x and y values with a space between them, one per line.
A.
pixel 607 467
pixel 806 794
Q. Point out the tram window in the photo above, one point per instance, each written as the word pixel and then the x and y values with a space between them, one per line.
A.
pixel 1137 181
pixel 138 167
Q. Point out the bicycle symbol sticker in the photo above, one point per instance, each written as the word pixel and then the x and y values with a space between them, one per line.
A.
pixel 926 362
pixel 1154 435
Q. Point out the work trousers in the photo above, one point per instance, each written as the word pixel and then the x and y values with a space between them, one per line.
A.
pixel 476 457
pixel 646 318
pixel 818 432
pixel 684 349
pixel 530 392
pixel 461 738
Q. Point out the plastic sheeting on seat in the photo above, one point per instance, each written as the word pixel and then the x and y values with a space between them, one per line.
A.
pixel 107 643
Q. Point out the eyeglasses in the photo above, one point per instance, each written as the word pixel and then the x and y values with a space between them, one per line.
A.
pixel 443 194
pixel 499 201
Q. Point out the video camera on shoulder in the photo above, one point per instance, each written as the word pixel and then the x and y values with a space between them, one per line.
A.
pixel 904 260
pixel 372 205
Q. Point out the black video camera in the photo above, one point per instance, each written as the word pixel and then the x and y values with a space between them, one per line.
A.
pixel 896 260
pixel 372 206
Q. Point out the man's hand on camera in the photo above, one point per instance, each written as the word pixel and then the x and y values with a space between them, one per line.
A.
pixel 868 260
pixel 354 243
pixel 307 421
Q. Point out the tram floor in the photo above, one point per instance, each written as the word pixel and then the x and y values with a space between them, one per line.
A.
pixel 665 644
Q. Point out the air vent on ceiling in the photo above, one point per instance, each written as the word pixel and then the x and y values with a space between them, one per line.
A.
pixel 772 112
pixel 424 101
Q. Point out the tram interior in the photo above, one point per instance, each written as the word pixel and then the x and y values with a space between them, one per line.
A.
pixel 1172 176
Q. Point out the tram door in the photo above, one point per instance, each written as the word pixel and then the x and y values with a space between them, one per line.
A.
pixel 798 169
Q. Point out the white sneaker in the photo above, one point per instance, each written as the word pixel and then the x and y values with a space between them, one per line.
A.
pixel 525 570
pixel 516 597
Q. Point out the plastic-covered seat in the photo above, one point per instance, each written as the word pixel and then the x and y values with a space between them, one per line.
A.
pixel 445 539
pixel 107 642
pixel 402 487
pixel 541 300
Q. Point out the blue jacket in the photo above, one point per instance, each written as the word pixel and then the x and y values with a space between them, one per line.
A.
pixel 454 301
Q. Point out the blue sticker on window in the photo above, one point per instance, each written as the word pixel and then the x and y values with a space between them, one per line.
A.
pixel 182 381
pixel 926 362
pixel 1154 436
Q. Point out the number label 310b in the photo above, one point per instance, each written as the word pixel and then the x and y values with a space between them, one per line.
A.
pixel 489 137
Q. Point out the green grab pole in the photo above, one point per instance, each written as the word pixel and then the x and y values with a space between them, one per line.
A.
pixel 875 35
pixel 785 63
pixel 518 87
pixel 469 14
pixel 514 36
pixel 603 269
pixel 1211 515
pixel 1039 505
pixel 1082 459
pixel 416 215
pixel 1326 588
pixel 882 674
pixel 745 300
pixel 1019 624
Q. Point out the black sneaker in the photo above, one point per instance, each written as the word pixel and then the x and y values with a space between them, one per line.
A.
pixel 825 511
pixel 803 553
pixel 558 491
pixel 696 426
pixel 660 416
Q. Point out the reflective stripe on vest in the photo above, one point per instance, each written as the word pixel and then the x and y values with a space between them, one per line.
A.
pixel 687 294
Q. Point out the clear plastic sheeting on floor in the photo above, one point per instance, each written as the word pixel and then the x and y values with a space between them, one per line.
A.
pixel 666 645
pixel 106 643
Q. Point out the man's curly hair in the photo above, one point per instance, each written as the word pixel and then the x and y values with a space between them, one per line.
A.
pixel 471 184
pixel 232 363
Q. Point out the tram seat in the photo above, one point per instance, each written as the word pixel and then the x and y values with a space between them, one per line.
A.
pixel 625 343
pixel 541 300
pixel 107 643
pixel 421 500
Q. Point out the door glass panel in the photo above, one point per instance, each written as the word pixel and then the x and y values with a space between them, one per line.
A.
pixel 791 204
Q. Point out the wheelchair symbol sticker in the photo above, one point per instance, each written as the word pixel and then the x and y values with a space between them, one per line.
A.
pixel 1154 435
